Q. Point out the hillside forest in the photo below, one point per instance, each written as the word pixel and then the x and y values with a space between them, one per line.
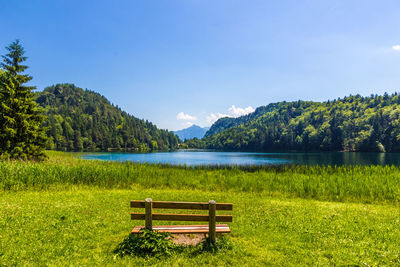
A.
pixel 80 119
pixel 354 123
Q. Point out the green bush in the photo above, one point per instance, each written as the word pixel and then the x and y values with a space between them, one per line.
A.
pixel 146 244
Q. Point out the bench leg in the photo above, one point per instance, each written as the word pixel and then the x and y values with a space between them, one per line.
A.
pixel 148 213
pixel 212 222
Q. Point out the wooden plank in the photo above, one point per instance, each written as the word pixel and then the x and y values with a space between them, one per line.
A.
pixel 186 225
pixel 212 221
pixel 180 205
pixel 191 225
pixel 181 217
pixel 185 229
pixel 194 227
pixel 225 231
pixel 190 217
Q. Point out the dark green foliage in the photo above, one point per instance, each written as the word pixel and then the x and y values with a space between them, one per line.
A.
pixel 146 244
pixel 2 76
pixel 84 120
pixel 193 143
pixel 21 135
pixel 220 125
pixel 354 123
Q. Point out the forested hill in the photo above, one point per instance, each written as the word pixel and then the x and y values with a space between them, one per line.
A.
pixel 79 119
pixel 354 123
pixel 227 122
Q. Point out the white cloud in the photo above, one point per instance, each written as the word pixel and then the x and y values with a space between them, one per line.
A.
pixel 396 47
pixel 237 112
pixel 185 117
pixel 188 124
pixel 214 117
pixel 233 112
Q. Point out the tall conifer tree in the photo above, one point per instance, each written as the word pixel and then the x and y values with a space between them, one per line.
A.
pixel 21 135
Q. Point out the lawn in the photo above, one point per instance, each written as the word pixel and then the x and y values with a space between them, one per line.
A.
pixel 82 223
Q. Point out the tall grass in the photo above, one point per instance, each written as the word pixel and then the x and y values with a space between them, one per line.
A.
pixel 344 183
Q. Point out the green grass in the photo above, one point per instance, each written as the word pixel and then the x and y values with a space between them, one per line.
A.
pixel 83 226
pixel 63 170
pixel 74 212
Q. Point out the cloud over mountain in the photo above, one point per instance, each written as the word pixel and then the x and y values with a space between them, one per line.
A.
pixel 233 112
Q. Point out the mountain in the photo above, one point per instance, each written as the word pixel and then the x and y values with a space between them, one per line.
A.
pixel 193 131
pixel 80 119
pixel 354 123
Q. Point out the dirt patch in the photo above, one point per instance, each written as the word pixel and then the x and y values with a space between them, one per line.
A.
pixel 188 239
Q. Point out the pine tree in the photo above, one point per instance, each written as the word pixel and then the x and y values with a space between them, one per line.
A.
pixel 21 135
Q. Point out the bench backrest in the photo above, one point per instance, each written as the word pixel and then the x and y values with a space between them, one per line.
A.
pixel 211 206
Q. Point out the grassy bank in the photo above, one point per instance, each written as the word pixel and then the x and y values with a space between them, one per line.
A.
pixel 62 170
pixel 68 211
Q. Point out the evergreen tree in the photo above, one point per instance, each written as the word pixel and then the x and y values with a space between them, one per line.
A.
pixel 21 136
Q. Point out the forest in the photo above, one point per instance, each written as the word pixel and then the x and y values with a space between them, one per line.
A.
pixel 354 123
pixel 83 120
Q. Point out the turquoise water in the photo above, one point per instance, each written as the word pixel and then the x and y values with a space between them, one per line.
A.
pixel 193 158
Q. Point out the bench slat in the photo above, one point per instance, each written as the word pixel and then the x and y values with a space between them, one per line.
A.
pixel 185 229
pixel 181 217
pixel 180 205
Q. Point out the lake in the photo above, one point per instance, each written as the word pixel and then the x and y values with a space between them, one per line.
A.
pixel 201 157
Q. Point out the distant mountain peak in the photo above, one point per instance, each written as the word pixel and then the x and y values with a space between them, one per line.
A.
pixel 193 131
pixel 194 126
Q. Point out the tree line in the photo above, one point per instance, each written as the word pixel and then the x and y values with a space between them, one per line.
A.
pixel 354 123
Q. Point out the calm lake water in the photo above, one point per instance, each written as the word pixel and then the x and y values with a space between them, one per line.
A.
pixel 190 157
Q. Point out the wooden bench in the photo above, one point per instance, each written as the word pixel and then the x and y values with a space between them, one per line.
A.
pixel 211 229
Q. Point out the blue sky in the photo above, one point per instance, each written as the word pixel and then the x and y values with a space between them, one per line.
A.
pixel 191 61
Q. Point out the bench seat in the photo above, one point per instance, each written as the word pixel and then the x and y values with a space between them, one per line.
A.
pixel 185 229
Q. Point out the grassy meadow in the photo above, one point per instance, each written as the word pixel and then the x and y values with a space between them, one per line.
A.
pixel 68 211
